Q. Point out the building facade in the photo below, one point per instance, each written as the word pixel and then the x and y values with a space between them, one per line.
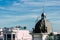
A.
pixel 15 34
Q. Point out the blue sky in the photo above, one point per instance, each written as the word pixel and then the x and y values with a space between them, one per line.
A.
pixel 25 12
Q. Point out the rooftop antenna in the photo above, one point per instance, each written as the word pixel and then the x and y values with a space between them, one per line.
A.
pixel 43 7
pixel 43 10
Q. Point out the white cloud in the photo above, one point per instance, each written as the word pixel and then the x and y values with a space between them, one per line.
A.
pixel 54 14
pixel 27 6
pixel 0 0
pixel 24 6
pixel 52 3
pixel 2 8
pixel 15 3
pixel 48 3
pixel 11 19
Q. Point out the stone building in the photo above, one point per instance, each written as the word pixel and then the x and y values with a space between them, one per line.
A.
pixel 16 34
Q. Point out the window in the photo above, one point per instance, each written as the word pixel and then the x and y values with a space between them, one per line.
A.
pixel 1 39
pixel 8 36
pixel 0 33
pixel 13 36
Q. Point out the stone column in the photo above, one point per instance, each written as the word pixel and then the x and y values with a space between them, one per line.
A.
pixel 3 37
pixel 11 36
pixel 32 36
pixel 6 36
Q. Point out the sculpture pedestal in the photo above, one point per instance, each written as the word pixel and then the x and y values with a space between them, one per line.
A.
pixel 36 36
pixel 39 36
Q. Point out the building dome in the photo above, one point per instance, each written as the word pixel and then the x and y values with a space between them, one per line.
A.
pixel 43 25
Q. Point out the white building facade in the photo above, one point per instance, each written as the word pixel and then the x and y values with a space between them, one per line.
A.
pixel 15 34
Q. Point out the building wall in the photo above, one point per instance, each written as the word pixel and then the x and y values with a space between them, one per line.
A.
pixel 1 34
pixel 23 35
pixel 36 36
pixel 19 34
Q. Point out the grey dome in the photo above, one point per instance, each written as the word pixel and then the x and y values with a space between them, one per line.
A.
pixel 43 25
